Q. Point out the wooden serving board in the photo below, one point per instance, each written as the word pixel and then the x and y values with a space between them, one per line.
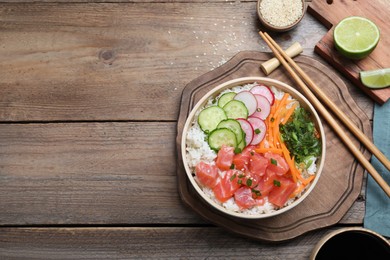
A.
pixel 341 180
pixel 331 14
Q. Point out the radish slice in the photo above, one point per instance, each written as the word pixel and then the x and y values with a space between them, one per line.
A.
pixel 259 129
pixel 264 91
pixel 248 99
pixel 247 128
pixel 263 107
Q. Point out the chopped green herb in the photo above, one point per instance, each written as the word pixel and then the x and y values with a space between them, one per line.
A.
pixel 241 175
pixel 248 182
pixel 233 177
pixel 274 162
pixel 276 183
pixel 256 192
pixel 237 150
pixel 257 131
pixel 309 161
pixel 232 167
pixel 300 136
pixel 239 181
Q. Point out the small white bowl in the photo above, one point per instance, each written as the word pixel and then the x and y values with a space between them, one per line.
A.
pixel 240 82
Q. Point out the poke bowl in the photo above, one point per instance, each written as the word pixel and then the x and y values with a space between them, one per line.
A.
pixel 253 147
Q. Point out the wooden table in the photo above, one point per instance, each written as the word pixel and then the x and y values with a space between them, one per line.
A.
pixel 89 100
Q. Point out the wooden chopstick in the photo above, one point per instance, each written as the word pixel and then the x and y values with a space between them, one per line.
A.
pixel 282 57
pixel 329 103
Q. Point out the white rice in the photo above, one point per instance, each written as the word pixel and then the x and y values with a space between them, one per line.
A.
pixel 198 150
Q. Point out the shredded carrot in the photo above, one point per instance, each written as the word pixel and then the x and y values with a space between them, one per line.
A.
pixel 288 114
pixel 302 186
pixel 283 101
pixel 274 106
pixel 261 144
pixel 290 162
pixel 280 115
pixel 306 181
pixel 276 136
pixel 297 191
pixel 270 136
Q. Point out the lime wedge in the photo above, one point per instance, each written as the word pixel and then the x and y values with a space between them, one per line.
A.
pixel 376 78
pixel 356 37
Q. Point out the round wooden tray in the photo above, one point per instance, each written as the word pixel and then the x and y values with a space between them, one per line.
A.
pixel 342 176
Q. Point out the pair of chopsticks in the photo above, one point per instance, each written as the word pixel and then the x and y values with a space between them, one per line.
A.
pixel 308 87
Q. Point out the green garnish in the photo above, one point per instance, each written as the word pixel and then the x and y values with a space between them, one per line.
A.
pixel 232 177
pixel 256 192
pixel 239 181
pixel 257 131
pixel 300 136
pixel 248 182
pixel 232 167
pixel 276 183
pixel 274 162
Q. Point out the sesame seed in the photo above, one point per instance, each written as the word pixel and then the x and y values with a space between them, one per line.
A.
pixel 281 12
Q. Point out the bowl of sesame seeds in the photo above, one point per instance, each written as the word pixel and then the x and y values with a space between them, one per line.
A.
pixel 280 15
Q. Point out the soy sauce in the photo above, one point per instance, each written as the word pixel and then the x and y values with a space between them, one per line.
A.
pixel 354 245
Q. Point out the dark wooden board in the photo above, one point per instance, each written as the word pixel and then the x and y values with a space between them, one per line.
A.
pixel 340 182
pixel 331 14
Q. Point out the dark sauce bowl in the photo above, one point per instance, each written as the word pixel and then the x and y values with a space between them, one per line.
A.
pixel 352 243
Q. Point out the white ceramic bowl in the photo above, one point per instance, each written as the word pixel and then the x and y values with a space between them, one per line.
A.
pixel 240 82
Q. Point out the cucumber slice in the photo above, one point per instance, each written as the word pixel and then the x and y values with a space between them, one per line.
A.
pixel 241 146
pixel 236 109
pixel 233 125
pixel 210 117
pixel 225 98
pixel 222 136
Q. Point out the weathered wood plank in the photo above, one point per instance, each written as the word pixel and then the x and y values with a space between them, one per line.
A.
pixel 121 1
pixel 94 61
pixel 146 243
pixel 89 174
pixel 94 173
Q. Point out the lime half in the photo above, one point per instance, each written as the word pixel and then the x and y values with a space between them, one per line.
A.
pixel 356 37
pixel 376 78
